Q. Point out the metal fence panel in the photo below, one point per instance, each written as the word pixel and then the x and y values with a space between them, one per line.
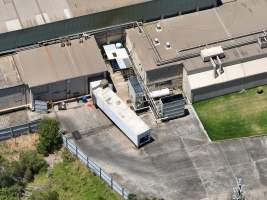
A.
pixel 7 133
pixel 94 167
pixel 18 130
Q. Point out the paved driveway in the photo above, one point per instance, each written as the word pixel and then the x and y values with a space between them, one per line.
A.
pixel 181 163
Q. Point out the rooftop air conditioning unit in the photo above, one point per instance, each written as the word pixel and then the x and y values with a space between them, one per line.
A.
pixel 262 40
pixel 207 54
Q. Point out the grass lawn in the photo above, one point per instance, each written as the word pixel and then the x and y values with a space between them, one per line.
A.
pixel 234 115
pixel 73 181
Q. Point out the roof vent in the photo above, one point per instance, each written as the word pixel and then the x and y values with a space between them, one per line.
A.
pixel 156 42
pixel 207 54
pixel 168 45
pixel 86 36
pixel 158 28
pixel 68 43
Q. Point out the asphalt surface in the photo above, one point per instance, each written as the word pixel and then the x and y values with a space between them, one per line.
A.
pixel 180 164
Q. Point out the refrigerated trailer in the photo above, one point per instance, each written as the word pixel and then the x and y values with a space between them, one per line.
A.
pixel 127 120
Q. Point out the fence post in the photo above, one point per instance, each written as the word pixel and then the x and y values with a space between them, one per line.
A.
pixel 29 127
pixel 100 173
pixel 11 132
pixel 87 162
pixel 66 143
pixel 111 183
pixel 76 151
pixel 122 192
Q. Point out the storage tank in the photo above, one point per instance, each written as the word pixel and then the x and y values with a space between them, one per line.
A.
pixel 160 93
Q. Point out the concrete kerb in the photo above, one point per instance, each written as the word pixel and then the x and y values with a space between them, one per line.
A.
pixel 190 106
pixel 241 138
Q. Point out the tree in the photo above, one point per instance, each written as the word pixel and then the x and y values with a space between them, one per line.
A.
pixel 49 136
pixel 44 195
pixel 16 174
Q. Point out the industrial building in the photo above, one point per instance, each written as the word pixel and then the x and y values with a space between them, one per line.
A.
pixel 207 54
pixel 12 89
pixel 58 72
pixel 39 21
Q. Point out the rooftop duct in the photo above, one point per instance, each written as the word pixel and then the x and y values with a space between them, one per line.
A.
pixel 213 52
pixel 262 40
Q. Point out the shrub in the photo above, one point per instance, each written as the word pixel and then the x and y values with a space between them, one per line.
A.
pixel 132 197
pixel 32 163
pixel 11 193
pixel 14 175
pixel 67 156
pixel 260 90
pixel 44 195
pixel 135 197
pixel 7 178
pixel 49 136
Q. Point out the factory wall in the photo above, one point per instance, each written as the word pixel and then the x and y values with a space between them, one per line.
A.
pixel 168 76
pixel 135 58
pixel 226 88
pixel 165 77
pixel 65 89
pixel 13 96
pixel 186 86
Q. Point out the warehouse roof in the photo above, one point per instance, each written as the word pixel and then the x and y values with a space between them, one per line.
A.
pixel 84 7
pixel 17 14
pixel 185 34
pixel 54 63
pixel 8 73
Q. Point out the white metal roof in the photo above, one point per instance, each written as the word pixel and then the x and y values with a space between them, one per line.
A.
pixel 118 54
pixel 115 53
pixel 118 107
pixel 233 72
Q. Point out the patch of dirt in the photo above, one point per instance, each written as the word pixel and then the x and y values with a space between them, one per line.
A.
pixel 53 159
pixel 11 148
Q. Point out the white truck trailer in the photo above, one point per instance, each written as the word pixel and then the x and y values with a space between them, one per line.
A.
pixel 128 122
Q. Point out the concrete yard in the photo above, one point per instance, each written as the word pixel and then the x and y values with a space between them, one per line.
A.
pixel 13 119
pixel 181 163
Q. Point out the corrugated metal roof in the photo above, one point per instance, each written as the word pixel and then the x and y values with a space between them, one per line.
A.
pixel 189 34
pixel 143 11
pixel 54 63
